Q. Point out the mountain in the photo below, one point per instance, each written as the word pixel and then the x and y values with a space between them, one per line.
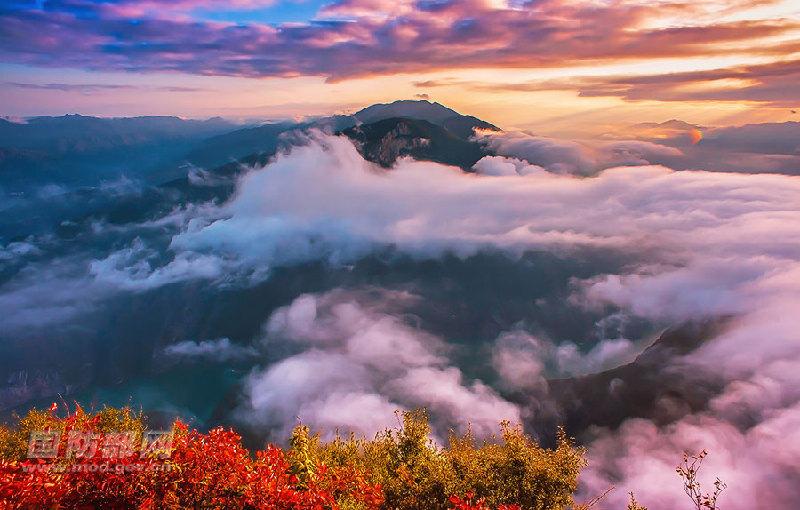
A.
pixel 653 386
pixel 227 147
pixel 386 140
pixel 672 124
pixel 444 139
pixel 772 138
pixel 81 150
pixel 76 150
pixel 264 140
pixel 78 153
pixel 423 110
pixel 83 134
pixel 435 113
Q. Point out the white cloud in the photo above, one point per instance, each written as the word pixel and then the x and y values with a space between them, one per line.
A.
pixel 573 157
pixel 132 268
pixel 323 201
pixel 525 361
pixel 709 243
pixel 18 249
pixel 219 350
pixel 502 166
pixel 713 243
pixel 358 366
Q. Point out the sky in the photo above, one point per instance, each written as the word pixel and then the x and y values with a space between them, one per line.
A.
pixel 552 66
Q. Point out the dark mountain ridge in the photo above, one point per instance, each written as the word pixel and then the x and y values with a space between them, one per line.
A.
pixel 435 113
pixel 79 133
pixel 656 385
pixel 418 116
pixel 82 150
pixel 385 141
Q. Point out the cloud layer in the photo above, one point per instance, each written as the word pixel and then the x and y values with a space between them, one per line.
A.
pixel 359 366
pixel 771 84
pixel 364 37
pixel 701 245
pixel 323 201
pixel 716 244
pixel 751 148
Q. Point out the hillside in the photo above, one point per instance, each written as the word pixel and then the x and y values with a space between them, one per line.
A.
pixel 386 140
pixel 435 113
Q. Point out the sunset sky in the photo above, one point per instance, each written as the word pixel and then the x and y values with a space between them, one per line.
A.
pixel 554 66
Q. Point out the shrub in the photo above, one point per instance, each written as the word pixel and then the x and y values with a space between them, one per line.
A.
pixel 633 504
pixel 416 474
pixel 402 469
pixel 210 470
pixel 687 471
pixel 14 441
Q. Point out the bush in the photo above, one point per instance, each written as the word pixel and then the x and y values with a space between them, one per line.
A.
pixel 416 474
pixel 14 441
pixel 210 470
pixel 398 469
pixel 402 469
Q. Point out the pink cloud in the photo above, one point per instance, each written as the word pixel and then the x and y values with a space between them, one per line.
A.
pixel 365 37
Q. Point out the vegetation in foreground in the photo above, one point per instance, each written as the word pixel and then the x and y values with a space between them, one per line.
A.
pixel 397 470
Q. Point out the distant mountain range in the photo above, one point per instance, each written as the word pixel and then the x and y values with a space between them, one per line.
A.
pixel 75 149
pixel 185 161
pixel 79 134
pixel 448 131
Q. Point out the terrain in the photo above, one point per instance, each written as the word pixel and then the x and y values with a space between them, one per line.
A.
pixel 340 269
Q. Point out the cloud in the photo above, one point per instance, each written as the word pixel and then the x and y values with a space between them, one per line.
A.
pixel 42 296
pixel 524 361
pixel 673 132
pixel 85 88
pixel 772 84
pixel 91 88
pixel 323 201
pixel 501 166
pixel 366 37
pixel 131 268
pixel 701 244
pixel 754 463
pixel 320 202
pixel 220 350
pixel 747 427
pixel 204 178
pixel 179 9
pixel 17 249
pixel 752 148
pixel 767 138
pixel 357 366
pixel 714 244
pixel 572 157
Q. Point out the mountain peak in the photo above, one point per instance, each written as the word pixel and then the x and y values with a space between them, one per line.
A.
pixel 461 125
pixel 418 109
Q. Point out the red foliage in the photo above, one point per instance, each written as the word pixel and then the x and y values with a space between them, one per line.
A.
pixel 210 470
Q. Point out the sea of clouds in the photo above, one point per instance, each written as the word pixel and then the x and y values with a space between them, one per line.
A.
pixel 706 245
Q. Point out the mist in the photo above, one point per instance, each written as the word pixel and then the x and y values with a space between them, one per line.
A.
pixel 342 292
